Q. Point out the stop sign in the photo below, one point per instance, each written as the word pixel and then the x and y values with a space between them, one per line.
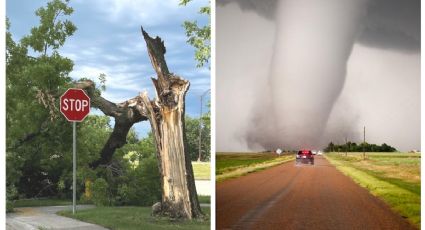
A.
pixel 75 104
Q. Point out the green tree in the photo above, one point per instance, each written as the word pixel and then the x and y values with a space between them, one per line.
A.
pixel 192 136
pixel 206 134
pixel 146 146
pixel 34 130
pixel 199 36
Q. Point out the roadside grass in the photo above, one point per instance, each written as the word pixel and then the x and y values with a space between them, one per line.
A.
pixel 393 177
pixel 61 202
pixel 231 165
pixel 202 170
pixel 130 217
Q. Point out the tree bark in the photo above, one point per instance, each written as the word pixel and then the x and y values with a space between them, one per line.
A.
pixel 166 115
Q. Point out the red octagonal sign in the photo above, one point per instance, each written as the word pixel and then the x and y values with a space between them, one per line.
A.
pixel 75 104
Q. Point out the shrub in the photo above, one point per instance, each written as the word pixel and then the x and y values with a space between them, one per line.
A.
pixel 9 206
pixel 123 195
pixel 140 186
pixel 100 196
pixel 11 193
pixel 146 188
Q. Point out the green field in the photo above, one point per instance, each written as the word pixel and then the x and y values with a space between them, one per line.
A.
pixel 393 177
pixel 134 218
pixel 202 170
pixel 230 165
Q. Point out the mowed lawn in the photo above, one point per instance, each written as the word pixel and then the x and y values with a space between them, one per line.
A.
pixel 230 165
pixel 130 218
pixel 202 170
pixel 60 202
pixel 393 177
pixel 40 202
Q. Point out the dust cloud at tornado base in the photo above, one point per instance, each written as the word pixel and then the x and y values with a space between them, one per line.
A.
pixel 279 87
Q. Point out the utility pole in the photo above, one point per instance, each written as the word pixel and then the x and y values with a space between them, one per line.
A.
pixel 364 142
pixel 200 127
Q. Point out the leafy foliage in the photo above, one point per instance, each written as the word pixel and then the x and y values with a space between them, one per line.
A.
pixel 143 186
pixel 11 194
pixel 199 36
pixel 192 137
pixel 132 177
pixel 52 31
pixel 100 192
pixel 35 136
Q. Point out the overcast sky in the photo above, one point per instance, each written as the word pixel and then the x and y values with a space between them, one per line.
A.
pixel 108 40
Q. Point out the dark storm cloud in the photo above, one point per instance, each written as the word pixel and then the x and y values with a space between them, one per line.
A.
pixel 393 24
pixel 389 24
pixel 265 8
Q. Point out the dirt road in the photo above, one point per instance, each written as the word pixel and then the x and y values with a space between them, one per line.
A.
pixel 301 197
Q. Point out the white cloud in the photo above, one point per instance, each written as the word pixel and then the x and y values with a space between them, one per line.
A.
pixel 90 51
pixel 120 83
pixel 146 12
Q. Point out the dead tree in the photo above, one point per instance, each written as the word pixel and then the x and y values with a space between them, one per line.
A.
pixel 166 115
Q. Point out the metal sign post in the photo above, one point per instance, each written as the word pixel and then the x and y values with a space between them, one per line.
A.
pixel 74 166
pixel 75 106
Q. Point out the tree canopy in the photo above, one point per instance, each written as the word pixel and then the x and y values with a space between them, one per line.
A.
pixel 199 36
pixel 34 80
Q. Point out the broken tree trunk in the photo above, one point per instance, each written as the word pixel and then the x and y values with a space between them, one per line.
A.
pixel 166 115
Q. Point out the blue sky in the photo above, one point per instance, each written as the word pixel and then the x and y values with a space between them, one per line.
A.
pixel 108 40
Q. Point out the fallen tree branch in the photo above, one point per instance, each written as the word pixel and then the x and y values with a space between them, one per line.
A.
pixel 125 114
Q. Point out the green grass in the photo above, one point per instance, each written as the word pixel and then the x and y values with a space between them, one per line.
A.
pixel 202 170
pixel 204 199
pixel 41 202
pixel 60 202
pixel 393 177
pixel 231 165
pixel 129 217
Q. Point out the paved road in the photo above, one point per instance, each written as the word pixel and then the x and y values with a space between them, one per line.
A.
pixel 301 197
pixel 33 218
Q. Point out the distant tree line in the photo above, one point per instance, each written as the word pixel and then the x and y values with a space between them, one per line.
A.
pixel 354 147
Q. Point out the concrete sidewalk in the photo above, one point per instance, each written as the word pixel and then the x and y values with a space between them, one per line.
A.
pixel 34 218
pixel 203 187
